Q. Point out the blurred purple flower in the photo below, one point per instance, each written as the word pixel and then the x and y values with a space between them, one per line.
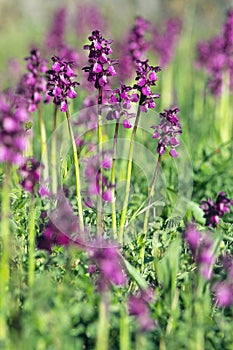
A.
pixel 109 262
pixel 93 171
pixel 13 116
pixel 192 237
pixel 223 294
pixel 32 85
pixel 202 247
pixel 167 131
pixel 214 210
pixel 87 17
pixel 227 261
pixel 133 48
pixel 164 43
pixel 215 56
pixel 138 306
pixel 60 82
pixel 30 174
pixel 88 115
pixel 62 227
pixel 55 42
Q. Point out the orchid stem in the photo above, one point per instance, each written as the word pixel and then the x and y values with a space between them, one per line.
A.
pixel 113 181
pixel 44 151
pixel 31 244
pixel 151 194
pixel 77 173
pixel 103 325
pixel 54 152
pixel 128 178
pixel 100 140
pixel 4 267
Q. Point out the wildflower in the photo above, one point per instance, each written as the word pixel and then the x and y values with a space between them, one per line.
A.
pixel 60 82
pixel 167 131
pixel 32 86
pixel 62 227
pixel 55 41
pixel 192 237
pixel 214 210
pixel 138 306
pixel 108 260
pixel 88 116
pixel 101 66
pixel 146 77
pixel 30 173
pixel 215 56
pixel 137 44
pixel 13 116
pixel 93 172
pixel 87 17
pixel 223 294
pixel 164 43
pixel 121 100
pixel 202 250
pixel 133 47
pixel 227 262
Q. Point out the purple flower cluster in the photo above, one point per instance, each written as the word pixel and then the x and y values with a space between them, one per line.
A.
pixel 214 210
pixel 93 172
pixel 32 86
pixel 55 41
pixel 146 77
pixel 62 227
pixel 139 307
pixel 224 290
pixel 60 82
pixel 108 260
pixel 30 173
pixel 137 44
pixel 201 247
pixel 101 67
pixel 88 115
pixel 167 131
pixel 13 116
pixel 133 47
pixel 164 43
pixel 87 17
pixel 121 100
pixel 215 56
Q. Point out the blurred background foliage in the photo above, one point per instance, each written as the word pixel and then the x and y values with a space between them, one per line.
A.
pixel 24 21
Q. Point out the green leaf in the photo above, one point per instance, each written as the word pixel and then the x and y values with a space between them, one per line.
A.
pixel 197 212
pixel 135 275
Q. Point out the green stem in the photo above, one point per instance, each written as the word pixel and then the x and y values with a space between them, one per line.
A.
pixel 77 174
pixel 151 194
pixel 141 342
pixel 31 244
pixel 146 218
pixel 128 178
pixel 44 151
pixel 54 152
pixel 103 325
pixel 199 310
pixel 100 146
pixel 124 331
pixel 4 267
pixel 113 181
pixel 224 124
